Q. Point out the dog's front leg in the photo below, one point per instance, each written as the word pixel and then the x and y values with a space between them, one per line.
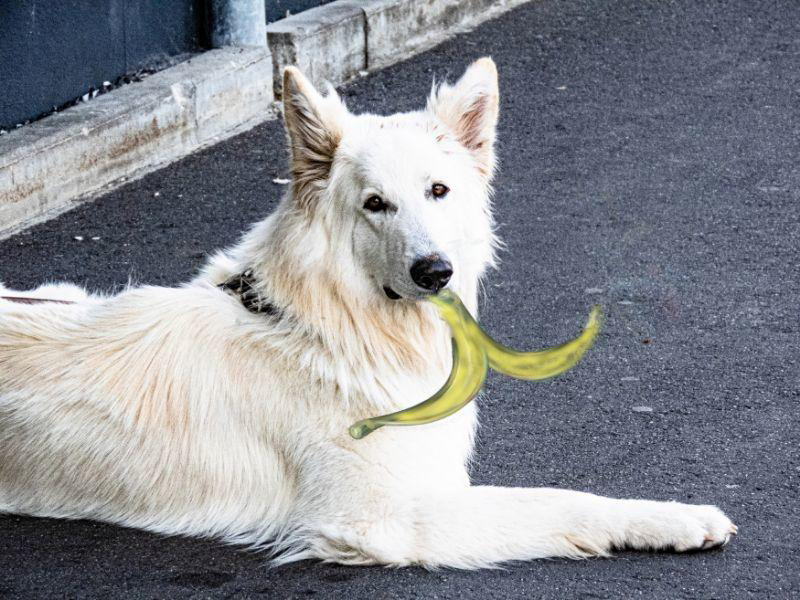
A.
pixel 473 527
pixel 481 526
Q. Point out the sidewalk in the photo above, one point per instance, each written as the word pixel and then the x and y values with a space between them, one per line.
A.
pixel 649 160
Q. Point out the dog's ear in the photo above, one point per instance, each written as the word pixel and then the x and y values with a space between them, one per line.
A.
pixel 470 109
pixel 313 124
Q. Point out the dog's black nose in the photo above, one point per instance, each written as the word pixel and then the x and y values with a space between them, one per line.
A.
pixel 431 272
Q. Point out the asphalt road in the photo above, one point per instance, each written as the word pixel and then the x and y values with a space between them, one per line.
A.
pixel 649 154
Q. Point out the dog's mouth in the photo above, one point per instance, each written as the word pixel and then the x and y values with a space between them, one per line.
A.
pixel 390 293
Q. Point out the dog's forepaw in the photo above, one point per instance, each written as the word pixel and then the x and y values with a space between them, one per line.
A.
pixel 680 527
pixel 698 527
pixel 717 526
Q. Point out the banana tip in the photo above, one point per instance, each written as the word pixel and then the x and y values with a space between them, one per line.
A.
pixel 595 317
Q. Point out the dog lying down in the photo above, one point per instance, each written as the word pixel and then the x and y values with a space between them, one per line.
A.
pixel 221 408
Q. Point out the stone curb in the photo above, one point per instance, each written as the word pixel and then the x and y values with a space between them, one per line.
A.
pixel 338 41
pixel 50 165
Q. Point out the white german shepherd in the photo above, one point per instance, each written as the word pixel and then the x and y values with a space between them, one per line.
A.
pixel 221 408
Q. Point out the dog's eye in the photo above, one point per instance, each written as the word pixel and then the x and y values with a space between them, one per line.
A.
pixel 439 190
pixel 374 204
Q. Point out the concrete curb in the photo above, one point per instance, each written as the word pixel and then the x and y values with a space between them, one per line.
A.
pixel 50 165
pixel 336 42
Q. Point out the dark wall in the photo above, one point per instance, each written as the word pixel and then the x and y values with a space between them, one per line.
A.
pixel 53 51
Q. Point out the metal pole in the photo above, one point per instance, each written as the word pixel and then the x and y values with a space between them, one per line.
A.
pixel 238 23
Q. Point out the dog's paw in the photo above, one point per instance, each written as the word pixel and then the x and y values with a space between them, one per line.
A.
pixel 681 527
pixel 707 527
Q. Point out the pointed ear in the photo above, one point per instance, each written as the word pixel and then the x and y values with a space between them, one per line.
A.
pixel 313 124
pixel 470 109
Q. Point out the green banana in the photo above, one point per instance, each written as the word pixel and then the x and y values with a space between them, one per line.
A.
pixel 473 353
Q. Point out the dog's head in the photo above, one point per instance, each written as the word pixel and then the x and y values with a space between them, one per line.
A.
pixel 402 201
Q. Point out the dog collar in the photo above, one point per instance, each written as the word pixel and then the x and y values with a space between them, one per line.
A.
pixel 242 286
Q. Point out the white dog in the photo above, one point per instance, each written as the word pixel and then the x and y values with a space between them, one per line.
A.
pixel 221 408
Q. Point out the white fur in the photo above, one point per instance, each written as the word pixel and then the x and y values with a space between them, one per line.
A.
pixel 178 411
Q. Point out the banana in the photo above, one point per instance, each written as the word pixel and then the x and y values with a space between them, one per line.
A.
pixel 473 353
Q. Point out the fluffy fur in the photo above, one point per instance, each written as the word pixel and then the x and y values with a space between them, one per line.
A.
pixel 178 411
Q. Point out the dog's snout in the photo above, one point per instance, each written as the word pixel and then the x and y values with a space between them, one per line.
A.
pixel 431 272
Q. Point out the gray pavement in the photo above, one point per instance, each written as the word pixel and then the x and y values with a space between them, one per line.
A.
pixel 649 156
